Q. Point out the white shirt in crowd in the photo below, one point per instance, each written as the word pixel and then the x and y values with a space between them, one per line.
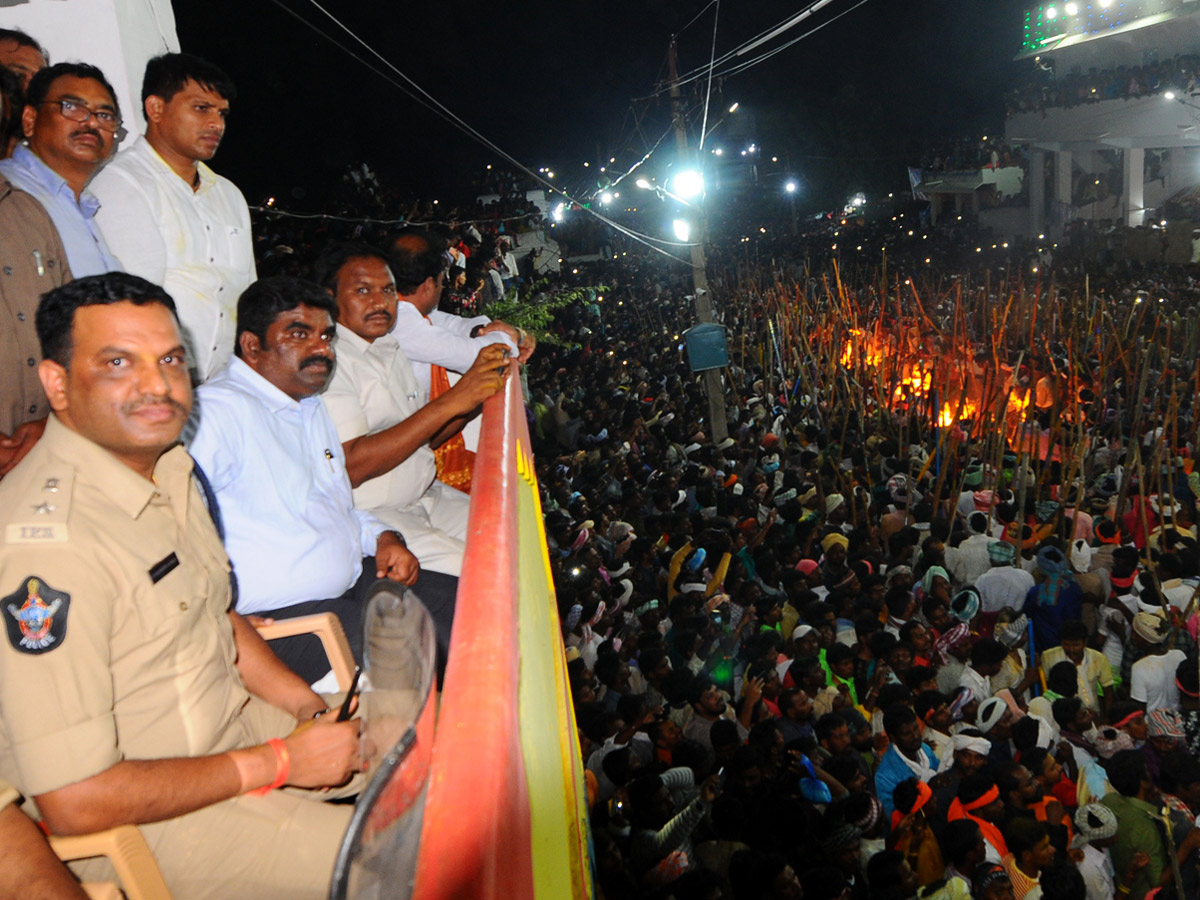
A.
pixel 1153 680
pixel 1097 871
pixel 1003 586
pixel 195 243
pixel 969 560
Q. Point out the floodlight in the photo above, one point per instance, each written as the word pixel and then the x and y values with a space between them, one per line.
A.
pixel 688 184
pixel 683 231
pixel 606 197
pixel 1170 95
pixel 1052 13
pixel 644 184
pixel 1072 9
pixel 558 212
pixel 790 187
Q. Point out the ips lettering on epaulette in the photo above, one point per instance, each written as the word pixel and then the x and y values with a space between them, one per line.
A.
pixel 47 502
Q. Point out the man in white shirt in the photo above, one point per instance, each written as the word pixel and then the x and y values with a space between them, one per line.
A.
pixel 275 463
pixel 1152 679
pixel 1003 585
pixel 169 218
pixel 987 658
pixel 385 430
pixel 428 336
pixel 1097 827
pixel 970 559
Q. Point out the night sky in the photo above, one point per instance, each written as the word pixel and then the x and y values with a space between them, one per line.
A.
pixel 552 83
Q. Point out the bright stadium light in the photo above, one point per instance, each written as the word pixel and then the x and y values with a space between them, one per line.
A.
pixel 558 212
pixel 1052 13
pixel 606 198
pixel 688 184
pixel 683 231
pixel 790 187
pixel 644 184
pixel 1072 9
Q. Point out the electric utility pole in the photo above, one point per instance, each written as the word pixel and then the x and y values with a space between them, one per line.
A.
pixel 718 428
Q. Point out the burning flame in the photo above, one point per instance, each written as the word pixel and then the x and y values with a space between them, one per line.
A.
pixel 947 416
pixel 872 350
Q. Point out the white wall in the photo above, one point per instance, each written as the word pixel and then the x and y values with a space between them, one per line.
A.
pixel 118 36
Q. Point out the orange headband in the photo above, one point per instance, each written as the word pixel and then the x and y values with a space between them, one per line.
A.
pixel 923 794
pixel 990 797
pixel 1133 715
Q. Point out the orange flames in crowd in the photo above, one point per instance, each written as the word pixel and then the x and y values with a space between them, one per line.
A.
pixel 913 382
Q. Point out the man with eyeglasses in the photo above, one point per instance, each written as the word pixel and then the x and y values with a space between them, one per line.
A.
pixel 172 220
pixel 71 124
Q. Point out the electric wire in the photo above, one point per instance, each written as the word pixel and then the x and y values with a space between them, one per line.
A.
pixel 711 64
pixel 430 102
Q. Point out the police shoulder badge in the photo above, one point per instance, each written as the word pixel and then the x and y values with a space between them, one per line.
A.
pixel 35 616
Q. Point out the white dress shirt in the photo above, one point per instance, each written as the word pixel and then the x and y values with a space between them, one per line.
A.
pixel 195 243
pixel 277 467
pixel 372 389
pixel 443 340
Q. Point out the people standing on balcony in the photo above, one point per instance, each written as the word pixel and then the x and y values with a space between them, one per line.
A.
pixel 170 218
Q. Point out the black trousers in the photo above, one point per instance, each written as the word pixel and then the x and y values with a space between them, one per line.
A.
pixel 304 655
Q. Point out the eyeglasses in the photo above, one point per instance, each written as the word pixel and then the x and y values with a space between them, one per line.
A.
pixel 78 111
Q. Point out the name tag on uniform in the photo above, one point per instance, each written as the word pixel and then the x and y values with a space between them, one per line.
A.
pixel 55 532
pixel 163 567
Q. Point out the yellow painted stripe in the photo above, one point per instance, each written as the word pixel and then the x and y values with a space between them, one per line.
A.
pixel 557 799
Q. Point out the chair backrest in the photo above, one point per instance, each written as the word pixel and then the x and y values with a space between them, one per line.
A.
pixel 378 855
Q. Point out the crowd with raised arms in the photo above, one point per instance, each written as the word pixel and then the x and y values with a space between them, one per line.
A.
pixel 855 650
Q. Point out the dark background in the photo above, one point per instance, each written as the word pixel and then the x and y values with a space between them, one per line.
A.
pixel 552 83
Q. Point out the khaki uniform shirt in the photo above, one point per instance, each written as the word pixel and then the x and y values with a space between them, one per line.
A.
pixel 32 261
pixel 114 593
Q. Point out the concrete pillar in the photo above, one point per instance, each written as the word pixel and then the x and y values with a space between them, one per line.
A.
pixel 1134 196
pixel 1176 162
pixel 1037 191
pixel 1062 176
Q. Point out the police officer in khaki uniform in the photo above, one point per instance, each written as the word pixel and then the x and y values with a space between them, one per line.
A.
pixel 129 692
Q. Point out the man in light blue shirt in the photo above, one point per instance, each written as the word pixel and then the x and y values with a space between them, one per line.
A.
pixel 71 123
pixel 907 756
pixel 275 461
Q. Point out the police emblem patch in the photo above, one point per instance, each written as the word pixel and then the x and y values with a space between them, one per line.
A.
pixel 35 616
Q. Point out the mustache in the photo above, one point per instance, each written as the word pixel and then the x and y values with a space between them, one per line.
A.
pixel 94 132
pixel 156 400
pixel 316 359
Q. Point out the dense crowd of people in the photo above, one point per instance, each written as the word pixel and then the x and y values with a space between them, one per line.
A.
pixel 1045 89
pixel 828 657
